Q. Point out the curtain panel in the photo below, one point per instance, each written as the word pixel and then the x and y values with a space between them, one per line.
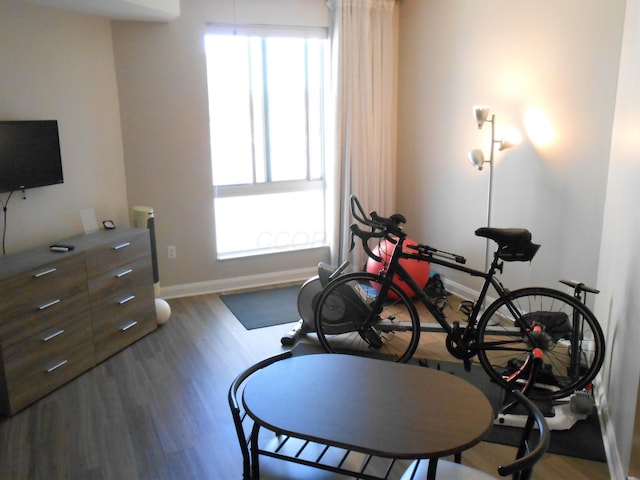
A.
pixel 364 50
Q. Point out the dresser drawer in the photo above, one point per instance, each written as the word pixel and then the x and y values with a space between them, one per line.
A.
pixel 49 366
pixel 116 283
pixel 40 284
pixel 46 312
pixel 118 252
pixel 128 324
pixel 123 306
pixel 45 348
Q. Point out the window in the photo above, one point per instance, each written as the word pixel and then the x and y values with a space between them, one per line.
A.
pixel 266 109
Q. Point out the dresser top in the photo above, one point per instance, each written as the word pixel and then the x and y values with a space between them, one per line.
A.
pixel 39 256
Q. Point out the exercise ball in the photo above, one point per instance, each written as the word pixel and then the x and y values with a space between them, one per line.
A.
pixel 419 270
pixel 163 311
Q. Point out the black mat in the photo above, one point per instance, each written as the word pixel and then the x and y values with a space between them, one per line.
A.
pixel 264 308
pixel 583 440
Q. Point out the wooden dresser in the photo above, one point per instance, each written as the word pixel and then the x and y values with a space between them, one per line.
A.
pixel 63 313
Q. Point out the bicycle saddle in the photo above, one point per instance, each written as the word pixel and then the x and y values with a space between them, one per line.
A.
pixel 504 236
pixel 514 244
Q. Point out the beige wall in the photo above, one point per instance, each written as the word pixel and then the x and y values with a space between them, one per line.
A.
pixel 558 57
pixel 562 58
pixel 163 97
pixel 58 65
pixel 618 305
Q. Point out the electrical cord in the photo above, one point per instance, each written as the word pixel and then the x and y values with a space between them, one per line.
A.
pixel 4 223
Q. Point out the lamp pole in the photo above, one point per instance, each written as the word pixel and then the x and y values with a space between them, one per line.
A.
pixel 476 157
pixel 493 142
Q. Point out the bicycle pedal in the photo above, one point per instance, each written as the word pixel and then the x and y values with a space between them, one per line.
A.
pixel 467 364
pixel 466 307
pixel 441 303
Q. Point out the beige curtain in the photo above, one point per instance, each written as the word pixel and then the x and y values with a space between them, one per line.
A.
pixel 363 49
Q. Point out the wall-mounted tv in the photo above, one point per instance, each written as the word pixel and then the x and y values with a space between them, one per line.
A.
pixel 29 154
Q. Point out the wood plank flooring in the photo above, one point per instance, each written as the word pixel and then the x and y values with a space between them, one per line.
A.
pixel 158 410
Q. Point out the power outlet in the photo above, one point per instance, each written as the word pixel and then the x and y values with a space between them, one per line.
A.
pixel 171 252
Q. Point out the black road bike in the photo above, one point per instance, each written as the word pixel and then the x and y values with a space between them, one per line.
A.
pixel 371 314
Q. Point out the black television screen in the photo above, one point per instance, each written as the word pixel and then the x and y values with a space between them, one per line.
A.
pixel 29 154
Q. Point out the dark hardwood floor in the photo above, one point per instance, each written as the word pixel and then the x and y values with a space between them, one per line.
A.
pixel 158 410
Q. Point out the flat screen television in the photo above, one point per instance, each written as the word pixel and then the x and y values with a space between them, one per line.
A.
pixel 29 154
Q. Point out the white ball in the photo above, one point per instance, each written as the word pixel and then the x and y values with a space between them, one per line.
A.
pixel 163 311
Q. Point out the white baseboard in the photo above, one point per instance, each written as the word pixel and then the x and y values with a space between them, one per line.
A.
pixel 274 278
pixel 463 292
pixel 616 469
pixel 238 283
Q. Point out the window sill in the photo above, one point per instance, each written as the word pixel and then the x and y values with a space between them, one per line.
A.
pixel 269 251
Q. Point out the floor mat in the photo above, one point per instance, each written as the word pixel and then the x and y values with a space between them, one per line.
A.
pixel 264 308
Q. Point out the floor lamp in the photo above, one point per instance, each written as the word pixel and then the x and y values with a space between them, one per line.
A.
pixel 477 159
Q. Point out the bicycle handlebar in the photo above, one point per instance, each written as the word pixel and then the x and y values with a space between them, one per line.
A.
pixel 375 221
pixel 381 227
pixel 390 229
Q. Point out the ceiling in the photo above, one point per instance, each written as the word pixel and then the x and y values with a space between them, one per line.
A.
pixel 141 10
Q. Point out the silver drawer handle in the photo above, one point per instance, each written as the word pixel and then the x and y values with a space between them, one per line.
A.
pixel 126 272
pixel 133 323
pixel 46 272
pixel 56 366
pixel 50 304
pixel 125 300
pixel 122 245
pixel 53 335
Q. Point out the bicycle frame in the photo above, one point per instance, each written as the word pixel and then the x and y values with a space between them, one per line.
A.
pixel 394 267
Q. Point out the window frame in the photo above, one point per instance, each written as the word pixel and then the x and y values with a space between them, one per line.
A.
pixel 269 186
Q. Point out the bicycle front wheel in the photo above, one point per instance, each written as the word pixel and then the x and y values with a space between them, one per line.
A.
pixel 570 337
pixel 347 320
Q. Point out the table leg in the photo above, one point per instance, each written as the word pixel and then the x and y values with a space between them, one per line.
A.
pixel 431 471
pixel 255 464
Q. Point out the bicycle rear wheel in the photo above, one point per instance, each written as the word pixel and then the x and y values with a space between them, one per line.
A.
pixel 570 338
pixel 346 320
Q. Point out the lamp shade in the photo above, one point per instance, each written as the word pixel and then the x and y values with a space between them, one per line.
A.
pixel 481 112
pixel 510 139
pixel 476 158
